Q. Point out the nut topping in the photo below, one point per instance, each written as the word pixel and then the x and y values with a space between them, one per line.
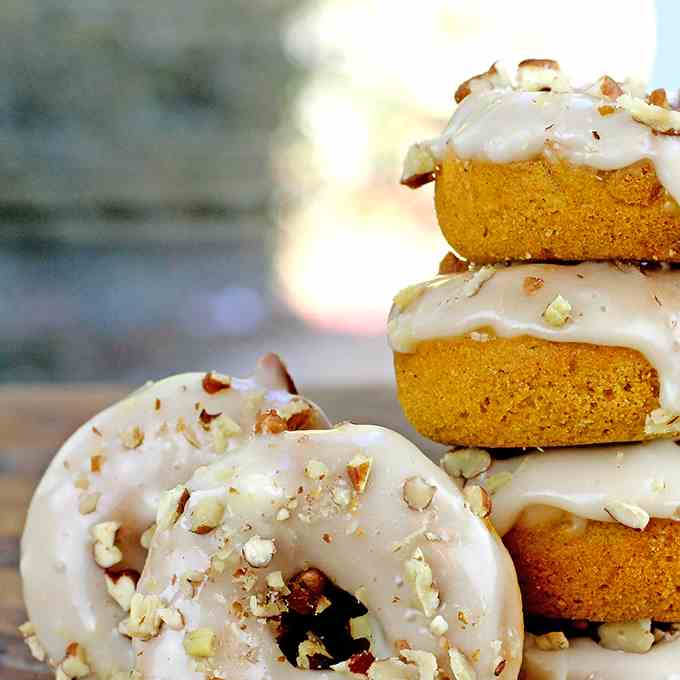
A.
pixel 557 313
pixel 439 625
pixel 121 586
pixel 466 463
pixel 419 575
pixel 200 643
pixel 75 663
pixel 206 515
pixel 145 621
pixel 106 553
pixel 34 645
pixel 478 279
pixel 259 552
pixel 171 506
pixel 450 264
pixel 605 87
pixel 419 166
pixel 269 422
pixel 417 493
pixel 662 421
pixel 629 515
pixel 634 636
pixel 132 438
pixel 552 642
pixel 358 471
pixel 494 77
pixel 531 284
pixel 306 589
pixel 425 662
pixel 275 582
pixel 541 75
pixel 308 649
pixel 478 499
pixel 495 482
pixel 659 118
pixel 214 382
pixel 222 428
pixel 460 665
pixel 171 617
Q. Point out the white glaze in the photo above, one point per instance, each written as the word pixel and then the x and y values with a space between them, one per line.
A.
pixel 64 589
pixel 505 125
pixel 613 305
pixel 581 481
pixel 586 660
pixel 471 568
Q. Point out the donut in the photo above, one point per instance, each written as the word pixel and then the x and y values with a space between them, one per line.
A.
pixel 540 354
pixel 93 512
pixel 313 554
pixel 539 170
pixel 594 536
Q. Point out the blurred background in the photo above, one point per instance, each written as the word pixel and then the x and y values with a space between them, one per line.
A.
pixel 185 185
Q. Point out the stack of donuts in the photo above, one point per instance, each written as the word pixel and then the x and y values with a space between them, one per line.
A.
pixel 215 528
pixel 547 354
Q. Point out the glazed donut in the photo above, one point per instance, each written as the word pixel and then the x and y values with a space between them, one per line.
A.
pixel 81 553
pixel 343 550
pixel 594 537
pixel 540 354
pixel 538 170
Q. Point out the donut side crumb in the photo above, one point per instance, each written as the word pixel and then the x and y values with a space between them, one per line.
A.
pixel 606 572
pixel 547 210
pixel 515 392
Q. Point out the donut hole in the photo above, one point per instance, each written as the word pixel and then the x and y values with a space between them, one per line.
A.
pixel 317 630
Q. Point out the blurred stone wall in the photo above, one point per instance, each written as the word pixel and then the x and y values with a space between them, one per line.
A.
pixel 134 178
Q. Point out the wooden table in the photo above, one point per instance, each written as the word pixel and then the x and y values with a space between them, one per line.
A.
pixel 34 421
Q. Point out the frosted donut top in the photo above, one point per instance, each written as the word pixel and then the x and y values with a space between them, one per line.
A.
pixel 599 303
pixel 294 491
pixel 114 469
pixel 604 126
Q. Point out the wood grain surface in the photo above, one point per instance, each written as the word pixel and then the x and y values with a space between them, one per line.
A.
pixel 34 421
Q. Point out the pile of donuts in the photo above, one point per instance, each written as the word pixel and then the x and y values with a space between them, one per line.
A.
pixel 209 527
pixel 548 351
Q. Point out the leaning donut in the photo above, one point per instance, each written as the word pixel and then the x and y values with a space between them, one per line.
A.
pixel 594 537
pixel 540 170
pixel 540 354
pixel 344 552
pixel 93 512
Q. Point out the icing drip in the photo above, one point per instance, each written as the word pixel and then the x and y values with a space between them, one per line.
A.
pixel 583 480
pixel 615 305
pixel 505 125
pixel 586 660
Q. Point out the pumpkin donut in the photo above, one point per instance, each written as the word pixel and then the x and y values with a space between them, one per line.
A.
pixel 337 553
pixel 92 516
pixel 538 170
pixel 540 354
pixel 594 537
